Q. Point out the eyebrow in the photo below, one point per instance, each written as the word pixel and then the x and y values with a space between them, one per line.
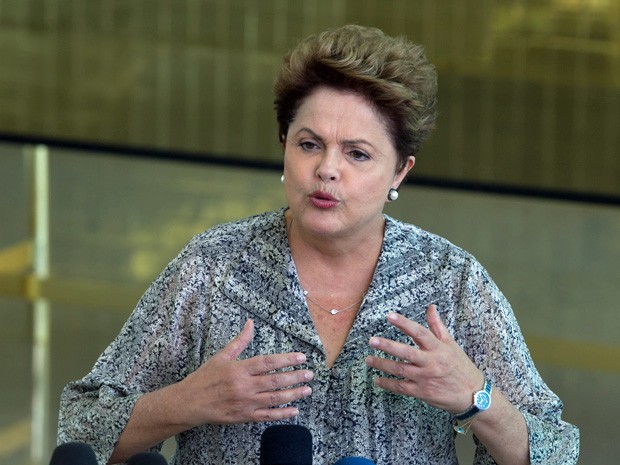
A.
pixel 343 142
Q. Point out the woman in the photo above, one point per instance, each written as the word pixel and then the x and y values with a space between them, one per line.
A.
pixel 374 334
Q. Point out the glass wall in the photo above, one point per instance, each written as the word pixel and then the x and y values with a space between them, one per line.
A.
pixel 529 90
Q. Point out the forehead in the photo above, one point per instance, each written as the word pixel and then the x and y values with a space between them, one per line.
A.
pixel 332 111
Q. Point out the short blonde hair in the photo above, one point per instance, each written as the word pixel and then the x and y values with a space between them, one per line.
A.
pixel 392 73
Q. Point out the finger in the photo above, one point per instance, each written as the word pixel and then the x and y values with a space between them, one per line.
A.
pixel 436 325
pixel 282 397
pixel 274 414
pixel 238 344
pixel 398 386
pixel 424 338
pixel 399 350
pixel 392 367
pixel 267 363
pixel 283 379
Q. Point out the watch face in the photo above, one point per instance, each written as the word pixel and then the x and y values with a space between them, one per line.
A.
pixel 482 400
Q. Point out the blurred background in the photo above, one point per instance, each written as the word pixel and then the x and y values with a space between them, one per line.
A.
pixel 128 126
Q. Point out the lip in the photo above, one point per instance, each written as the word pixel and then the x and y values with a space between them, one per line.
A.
pixel 323 200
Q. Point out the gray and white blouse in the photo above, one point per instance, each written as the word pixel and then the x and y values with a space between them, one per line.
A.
pixel 243 270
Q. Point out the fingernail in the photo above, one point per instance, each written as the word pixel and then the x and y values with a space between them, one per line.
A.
pixel 308 376
pixel 306 391
pixel 374 342
pixel 392 316
pixel 301 358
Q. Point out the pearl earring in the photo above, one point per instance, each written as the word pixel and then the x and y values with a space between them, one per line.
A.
pixel 282 179
pixel 392 194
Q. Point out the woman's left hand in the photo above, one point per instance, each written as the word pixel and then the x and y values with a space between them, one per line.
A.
pixel 438 371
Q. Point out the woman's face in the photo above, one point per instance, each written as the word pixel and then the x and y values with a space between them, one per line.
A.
pixel 339 165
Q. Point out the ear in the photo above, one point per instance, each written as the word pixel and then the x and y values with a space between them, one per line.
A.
pixel 400 175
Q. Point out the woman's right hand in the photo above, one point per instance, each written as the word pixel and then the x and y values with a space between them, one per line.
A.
pixel 225 390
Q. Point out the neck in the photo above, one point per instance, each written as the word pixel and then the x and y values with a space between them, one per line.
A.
pixel 356 247
pixel 335 275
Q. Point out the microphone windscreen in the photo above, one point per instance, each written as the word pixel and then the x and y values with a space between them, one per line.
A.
pixel 147 458
pixel 286 445
pixel 354 461
pixel 73 453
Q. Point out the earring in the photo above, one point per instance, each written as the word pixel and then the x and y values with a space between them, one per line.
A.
pixel 392 194
pixel 282 179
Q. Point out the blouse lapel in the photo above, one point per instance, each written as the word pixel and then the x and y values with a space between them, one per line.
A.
pixel 264 282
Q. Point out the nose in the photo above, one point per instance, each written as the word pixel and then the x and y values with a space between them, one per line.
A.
pixel 328 169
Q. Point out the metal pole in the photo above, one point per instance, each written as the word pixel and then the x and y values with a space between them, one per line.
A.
pixel 39 171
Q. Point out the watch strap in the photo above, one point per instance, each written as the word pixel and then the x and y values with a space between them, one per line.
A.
pixel 473 410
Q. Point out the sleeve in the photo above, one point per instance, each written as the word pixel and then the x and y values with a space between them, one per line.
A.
pixel 492 338
pixel 158 345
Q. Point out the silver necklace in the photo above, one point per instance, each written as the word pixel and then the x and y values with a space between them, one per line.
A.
pixel 333 311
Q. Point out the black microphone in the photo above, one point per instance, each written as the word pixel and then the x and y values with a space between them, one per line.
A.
pixel 73 453
pixel 354 461
pixel 286 445
pixel 147 458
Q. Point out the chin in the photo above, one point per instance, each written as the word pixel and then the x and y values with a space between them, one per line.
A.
pixel 321 224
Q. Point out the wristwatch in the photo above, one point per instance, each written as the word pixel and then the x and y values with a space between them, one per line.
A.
pixel 482 401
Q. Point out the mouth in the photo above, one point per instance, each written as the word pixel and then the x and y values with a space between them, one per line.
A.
pixel 323 200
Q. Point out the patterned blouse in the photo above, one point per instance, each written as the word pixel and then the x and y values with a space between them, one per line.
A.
pixel 243 270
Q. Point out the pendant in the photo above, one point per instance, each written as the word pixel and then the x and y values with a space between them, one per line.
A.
pixel 333 311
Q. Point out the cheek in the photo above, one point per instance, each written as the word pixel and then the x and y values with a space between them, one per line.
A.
pixel 369 196
pixel 294 167
pixel 293 186
pixel 376 189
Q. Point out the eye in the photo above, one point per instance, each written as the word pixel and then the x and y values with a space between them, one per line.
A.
pixel 308 145
pixel 358 155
